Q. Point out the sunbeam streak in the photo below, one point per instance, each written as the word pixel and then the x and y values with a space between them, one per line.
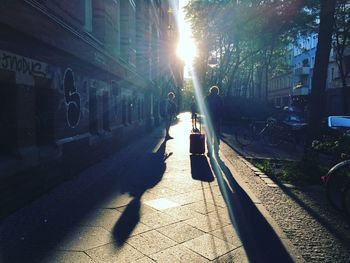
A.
pixel 208 127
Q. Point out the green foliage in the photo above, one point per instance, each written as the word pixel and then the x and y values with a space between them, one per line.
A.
pixel 299 173
pixel 248 39
pixel 187 95
pixel 334 146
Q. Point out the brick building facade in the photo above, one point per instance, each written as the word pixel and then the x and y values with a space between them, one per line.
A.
pixel 81 76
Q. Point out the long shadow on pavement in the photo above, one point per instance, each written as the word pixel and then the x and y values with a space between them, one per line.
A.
pixel 258 238
pixel 200 168
pixel 145 175
pixel 37 230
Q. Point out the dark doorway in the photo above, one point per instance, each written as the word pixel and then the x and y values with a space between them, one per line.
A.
pixel 105 107
pixel 8 121
pixel 44 114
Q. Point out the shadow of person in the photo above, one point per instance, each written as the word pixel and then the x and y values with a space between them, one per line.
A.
pixel 200 168
pixel 259 240
pixel 127 222
pixel 145 174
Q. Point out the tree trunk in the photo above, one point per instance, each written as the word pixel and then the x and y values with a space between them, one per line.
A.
pixel 345 91
pixel 319 78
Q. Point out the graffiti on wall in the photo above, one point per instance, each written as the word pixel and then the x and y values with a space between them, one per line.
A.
pixel 72 98
pixel 24 65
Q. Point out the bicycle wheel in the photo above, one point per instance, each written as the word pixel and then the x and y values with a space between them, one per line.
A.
pixel 270 137
pixel 346 200
pixel 244 135
pixel 336 183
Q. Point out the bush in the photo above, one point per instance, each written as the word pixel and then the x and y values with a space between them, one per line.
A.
pixel 300 172
pixel 333 145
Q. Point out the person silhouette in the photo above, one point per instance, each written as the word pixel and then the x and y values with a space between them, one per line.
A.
pixel 214 106
pixel 170 112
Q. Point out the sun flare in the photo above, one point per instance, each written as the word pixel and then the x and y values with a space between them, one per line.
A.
pixel 186 50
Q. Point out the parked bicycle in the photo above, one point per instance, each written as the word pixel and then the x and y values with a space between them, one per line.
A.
pixel 337 180
pixel 246 134
pixel 288 126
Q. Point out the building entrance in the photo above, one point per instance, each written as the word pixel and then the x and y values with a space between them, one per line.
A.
pixel 8 122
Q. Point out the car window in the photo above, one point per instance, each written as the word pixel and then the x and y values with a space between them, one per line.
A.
pixel 294 118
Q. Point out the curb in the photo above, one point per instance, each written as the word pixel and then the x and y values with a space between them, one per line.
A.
pixel 290 248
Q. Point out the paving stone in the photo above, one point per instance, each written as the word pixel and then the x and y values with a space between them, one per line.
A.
pixel 161 190
pixel 212 190
pixel 144 209
pixel 180 232
pixel 84 238
pixel 263 176
pixel 254 169
pixel 178 254
pixel 161 203
pixel 221 215
pixel 259 173
pixel 68 257
pixel 157 219
pixel 180 212
pixel 140 228
pixel 228 234
pixel 110 253
pixel 145 260
pixel 209 246
pixel 217 201
pixel 273 185
pixel 201 207
pixel 150 242
pixel 187 198
pixel 206 223
pixel 148 196
pixel 106 218
pixel 117 201
pixel 236 255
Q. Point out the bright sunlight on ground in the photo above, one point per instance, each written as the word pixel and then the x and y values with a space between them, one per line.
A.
pixel 186 49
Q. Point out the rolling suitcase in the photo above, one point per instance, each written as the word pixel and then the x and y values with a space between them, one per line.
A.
pixel 197 139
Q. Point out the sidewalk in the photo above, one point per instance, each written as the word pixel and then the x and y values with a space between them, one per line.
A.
pixel 149 202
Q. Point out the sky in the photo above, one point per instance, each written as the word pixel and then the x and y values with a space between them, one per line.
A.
pixel 186 48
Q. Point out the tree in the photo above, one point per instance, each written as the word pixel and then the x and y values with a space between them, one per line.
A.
pixel 342 41
pixel 319 78
pixel 246 38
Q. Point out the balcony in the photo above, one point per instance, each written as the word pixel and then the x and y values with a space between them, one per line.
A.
pixel 300 90
pixel 302 71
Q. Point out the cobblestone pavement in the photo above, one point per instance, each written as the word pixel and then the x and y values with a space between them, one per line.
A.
pixel 320 233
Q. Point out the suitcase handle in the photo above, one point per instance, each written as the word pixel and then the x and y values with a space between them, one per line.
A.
pixel 195 124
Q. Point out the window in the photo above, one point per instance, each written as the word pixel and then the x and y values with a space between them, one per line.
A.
pixel 127 31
